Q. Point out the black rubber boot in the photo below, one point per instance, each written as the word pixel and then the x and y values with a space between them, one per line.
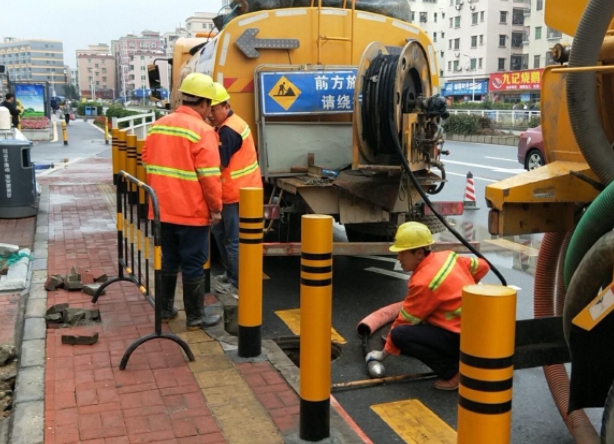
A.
pixel 168 282
pixel 194 303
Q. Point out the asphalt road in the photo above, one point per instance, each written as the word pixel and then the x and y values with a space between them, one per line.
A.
pixel 361 285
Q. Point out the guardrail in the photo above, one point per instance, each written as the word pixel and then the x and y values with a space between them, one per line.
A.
pixel 513 118
pixel 133 264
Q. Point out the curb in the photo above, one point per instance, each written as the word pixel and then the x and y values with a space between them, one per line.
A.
pixel 340 431
pixel 27 423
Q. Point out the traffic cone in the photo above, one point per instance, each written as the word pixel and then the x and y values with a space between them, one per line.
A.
pixel 469 200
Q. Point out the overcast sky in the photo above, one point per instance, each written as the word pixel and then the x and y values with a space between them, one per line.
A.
pixel 79 23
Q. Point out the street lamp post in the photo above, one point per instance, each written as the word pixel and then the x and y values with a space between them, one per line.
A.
pixel 471 59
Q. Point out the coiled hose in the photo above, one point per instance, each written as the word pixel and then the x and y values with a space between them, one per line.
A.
pixel 551 254
pixel 381 93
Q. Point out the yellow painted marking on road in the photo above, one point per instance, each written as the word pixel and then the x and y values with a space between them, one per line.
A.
pixel 514 246
pixel 292 318
pixel 415 423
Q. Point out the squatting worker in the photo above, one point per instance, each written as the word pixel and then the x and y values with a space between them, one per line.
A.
pixel 239 170
pixel 429 324
pixel 183 167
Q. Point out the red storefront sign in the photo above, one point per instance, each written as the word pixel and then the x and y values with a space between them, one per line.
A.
pixel 516 80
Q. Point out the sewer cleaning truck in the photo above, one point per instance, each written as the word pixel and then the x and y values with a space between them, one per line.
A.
pixel 343 101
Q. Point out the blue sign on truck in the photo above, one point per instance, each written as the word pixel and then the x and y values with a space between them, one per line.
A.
pixel 307 92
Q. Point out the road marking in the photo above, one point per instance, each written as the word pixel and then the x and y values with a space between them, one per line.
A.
pixel 378 258
pixel 514 246
pixel 486 167
pixel 292 318
pixel 393 274
pixel 501 158
pixel 415 423
pixel 474 177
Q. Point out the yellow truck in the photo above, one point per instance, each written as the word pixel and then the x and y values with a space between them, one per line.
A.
pixel 342 99
pixel 571 200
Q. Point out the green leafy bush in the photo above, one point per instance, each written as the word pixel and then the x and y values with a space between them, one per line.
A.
pixel 464 124
pixel 534 121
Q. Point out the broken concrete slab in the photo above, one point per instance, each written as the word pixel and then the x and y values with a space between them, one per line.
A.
pixel 7 353
pixel 80 339
pixel 57 308
pixel 54 282
pixel 16 277
pixel 91 289
pixel 102 278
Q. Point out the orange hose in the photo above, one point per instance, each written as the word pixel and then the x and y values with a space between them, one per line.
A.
pixel 551 254
pixel 378 319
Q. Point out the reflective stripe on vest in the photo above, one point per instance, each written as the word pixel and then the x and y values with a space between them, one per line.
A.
pixel 449 315
pixel 443 273
pixel 175 131
pixel 474 266
pixel 208 172
pixel 409 318
pixel 172 172
pixel 244 171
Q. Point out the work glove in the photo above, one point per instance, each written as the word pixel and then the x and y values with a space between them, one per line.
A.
pixel 375 355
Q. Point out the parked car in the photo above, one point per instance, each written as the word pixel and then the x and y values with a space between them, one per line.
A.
pixel 531 149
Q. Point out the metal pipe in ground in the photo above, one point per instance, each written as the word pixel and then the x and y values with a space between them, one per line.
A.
pixel 251 225
pixel 486 364
pixel 316 313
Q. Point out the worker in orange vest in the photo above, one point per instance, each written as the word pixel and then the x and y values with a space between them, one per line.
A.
pixel 183 167
pixel 240 169
pixel 429 324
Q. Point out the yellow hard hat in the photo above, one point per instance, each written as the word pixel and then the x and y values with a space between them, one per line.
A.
pixel 198 85
pixel 412 235
pixel 221 94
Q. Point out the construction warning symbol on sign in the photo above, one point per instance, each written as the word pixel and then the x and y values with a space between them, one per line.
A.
pixel 284 92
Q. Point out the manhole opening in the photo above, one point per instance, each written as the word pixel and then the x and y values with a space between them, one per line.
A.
pixel 291 346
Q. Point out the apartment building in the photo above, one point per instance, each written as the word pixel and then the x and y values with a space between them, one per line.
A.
pixel 201 24
pixel 96 72
pixel 132 54
pixel 34 60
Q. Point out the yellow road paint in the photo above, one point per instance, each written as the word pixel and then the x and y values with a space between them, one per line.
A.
pixel 415 423
pixel 513 246
pixel 292 318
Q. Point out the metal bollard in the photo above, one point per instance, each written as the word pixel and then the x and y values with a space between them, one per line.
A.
pixel 316 312
pixel 131 166
pixel 251 225
pixel 64 133
pixel 106 130
pixel 486 364
pixel 115 153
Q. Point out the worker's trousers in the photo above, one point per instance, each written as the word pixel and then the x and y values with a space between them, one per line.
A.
pixel 185 247
pixel 436 347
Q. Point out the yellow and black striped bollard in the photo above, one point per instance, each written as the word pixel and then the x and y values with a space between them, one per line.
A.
pixel 141 174
pixel 131 167
pixel 115 153
pixel 106 130
pixel 316 312
pixel 64 133
pixel 121 151
pixel 251 225
pixel 486 364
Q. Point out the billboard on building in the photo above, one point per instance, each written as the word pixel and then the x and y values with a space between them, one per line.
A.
pixel 463 88
pixel 32 97
pixel 530 79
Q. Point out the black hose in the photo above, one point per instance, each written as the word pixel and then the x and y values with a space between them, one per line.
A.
pixel 384 97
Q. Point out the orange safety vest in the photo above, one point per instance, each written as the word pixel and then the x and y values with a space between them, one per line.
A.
pixel 182 161
pixel 243 170
pixel 435 291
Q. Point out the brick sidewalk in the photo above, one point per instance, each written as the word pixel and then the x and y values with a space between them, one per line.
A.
pixel 160 397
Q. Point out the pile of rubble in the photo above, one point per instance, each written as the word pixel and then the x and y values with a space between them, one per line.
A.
pixel 8 374
pixel 75 281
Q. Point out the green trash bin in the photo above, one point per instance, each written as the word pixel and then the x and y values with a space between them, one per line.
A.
pixel 18 197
